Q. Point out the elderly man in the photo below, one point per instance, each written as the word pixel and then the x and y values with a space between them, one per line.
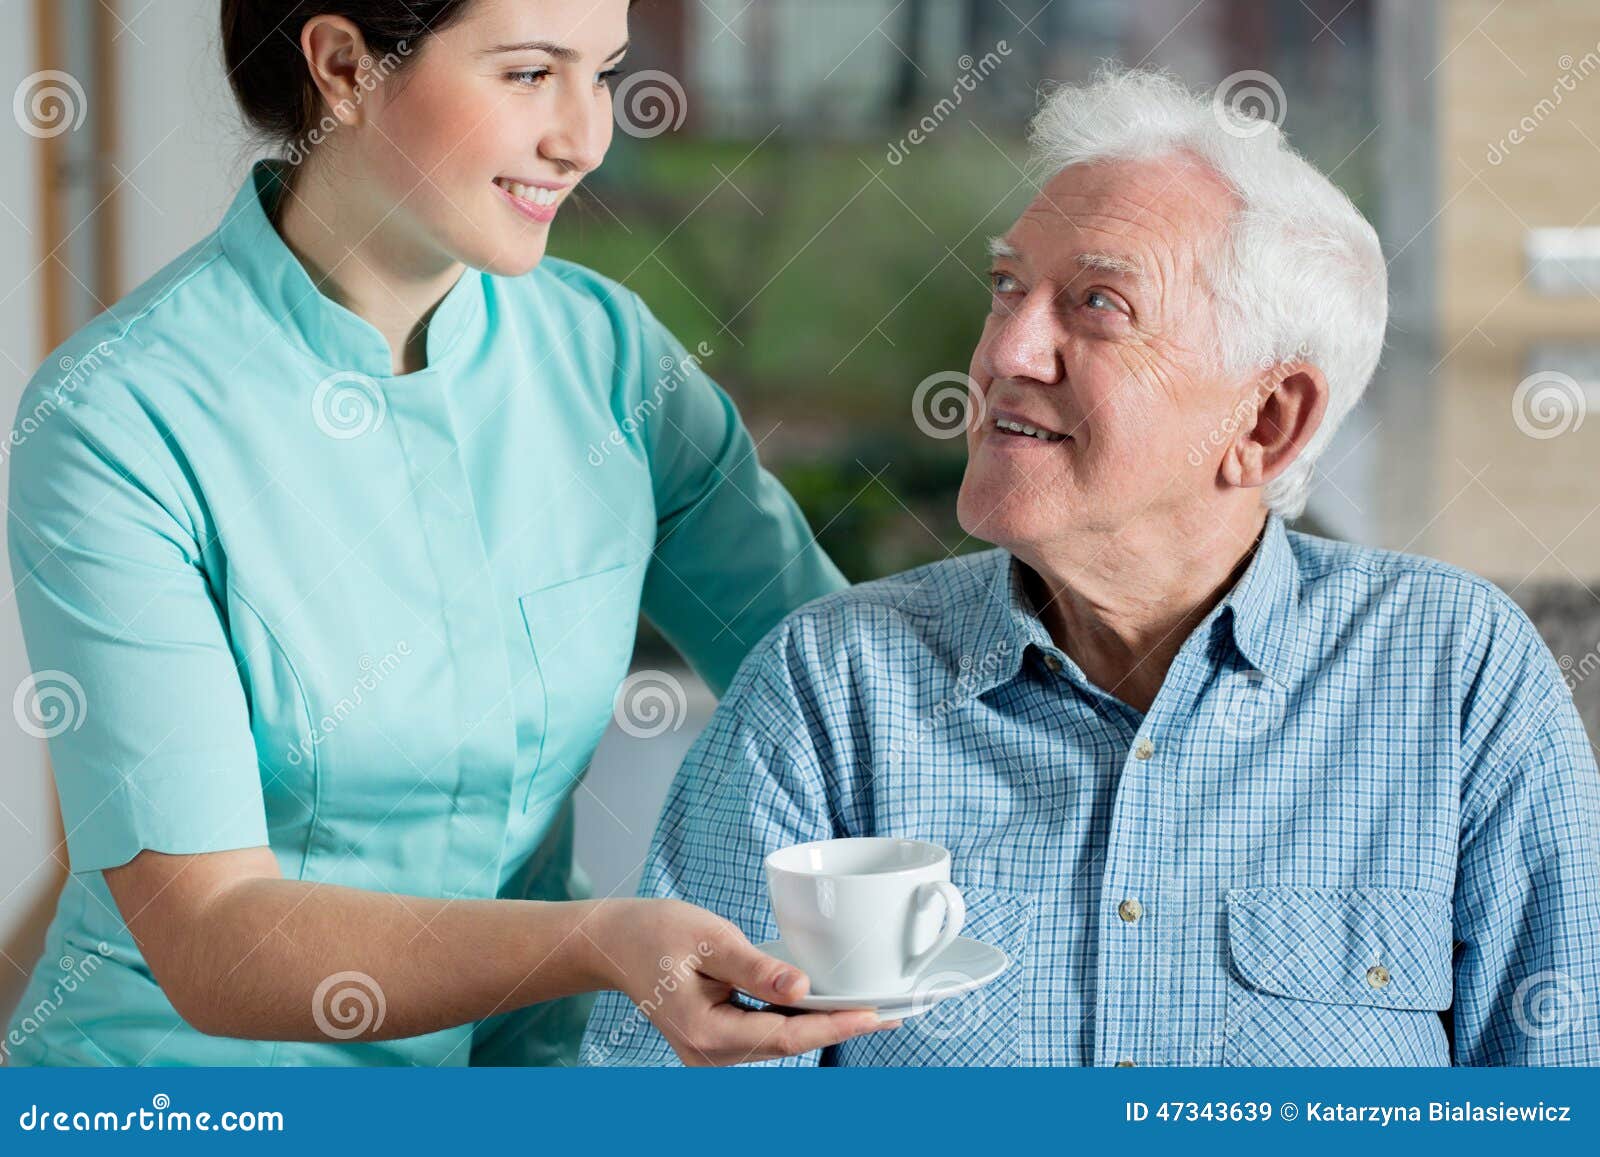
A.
pixel 1225 793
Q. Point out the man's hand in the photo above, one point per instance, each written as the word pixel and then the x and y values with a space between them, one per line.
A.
pixel 681 965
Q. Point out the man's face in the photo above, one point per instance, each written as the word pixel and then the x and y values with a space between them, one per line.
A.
pixel 1100 334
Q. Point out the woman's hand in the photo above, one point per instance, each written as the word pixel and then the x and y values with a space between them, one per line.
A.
pixel 681 964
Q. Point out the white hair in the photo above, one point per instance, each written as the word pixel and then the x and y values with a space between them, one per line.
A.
pixel 1301 276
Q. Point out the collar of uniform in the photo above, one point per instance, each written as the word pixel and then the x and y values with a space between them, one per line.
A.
pixel 1266 607
pixel 997 625
pixel 310 319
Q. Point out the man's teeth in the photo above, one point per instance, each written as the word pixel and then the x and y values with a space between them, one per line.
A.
pixel 530 192
pixel 1032 432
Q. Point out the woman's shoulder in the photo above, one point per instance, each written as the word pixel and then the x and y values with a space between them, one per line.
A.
pixel 100 384
pixel 98 364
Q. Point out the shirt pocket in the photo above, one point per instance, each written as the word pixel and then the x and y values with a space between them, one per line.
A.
pixel 1331 976
pixel 981 1027
pixel 582 631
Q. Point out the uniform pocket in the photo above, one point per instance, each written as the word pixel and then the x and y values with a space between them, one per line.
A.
pixel 982 1027
pixel 1331 976
pixel 582 631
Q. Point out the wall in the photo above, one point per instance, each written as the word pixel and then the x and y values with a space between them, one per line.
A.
pixel 1513 505
pixel 183 154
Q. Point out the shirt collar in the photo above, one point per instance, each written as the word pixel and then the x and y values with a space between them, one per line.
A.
pixel 999 622
pixel 1265 607
pixel 308 318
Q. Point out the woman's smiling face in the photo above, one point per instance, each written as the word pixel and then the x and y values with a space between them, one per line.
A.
pixel 479 141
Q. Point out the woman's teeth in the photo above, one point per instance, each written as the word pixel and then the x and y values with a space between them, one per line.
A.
pixel 531 193
pixel 1019 428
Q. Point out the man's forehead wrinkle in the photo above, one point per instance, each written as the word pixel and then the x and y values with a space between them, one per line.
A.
pixel 1113 236
pixel 1156 188
pixel 1104 214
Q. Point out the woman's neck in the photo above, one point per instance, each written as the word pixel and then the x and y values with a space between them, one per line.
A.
pixel 358 252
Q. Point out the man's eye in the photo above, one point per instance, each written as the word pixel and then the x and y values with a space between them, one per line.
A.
pixel 1002 282
pixel 529 77
pixel 1094 299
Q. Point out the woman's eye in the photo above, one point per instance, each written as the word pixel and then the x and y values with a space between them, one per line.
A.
pixel 528 78
pixel 607 77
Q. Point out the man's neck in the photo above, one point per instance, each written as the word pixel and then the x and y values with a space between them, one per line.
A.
pixel 1122 607
pixel 359 258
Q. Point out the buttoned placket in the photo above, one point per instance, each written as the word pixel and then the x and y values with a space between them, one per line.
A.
pixel 479 693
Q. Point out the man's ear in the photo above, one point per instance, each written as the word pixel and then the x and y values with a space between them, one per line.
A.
pixel 1288 413
pixel 334 49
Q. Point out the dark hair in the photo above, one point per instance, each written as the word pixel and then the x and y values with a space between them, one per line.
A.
pixel 267 70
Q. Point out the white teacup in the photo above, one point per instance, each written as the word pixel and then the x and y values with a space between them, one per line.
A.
pixel 864 915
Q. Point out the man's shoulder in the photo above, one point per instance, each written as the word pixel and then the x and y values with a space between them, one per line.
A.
pixel 1328 567
pixel 1453 611
pixel 923 602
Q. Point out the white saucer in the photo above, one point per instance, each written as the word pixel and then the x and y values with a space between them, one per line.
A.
pixel 965 965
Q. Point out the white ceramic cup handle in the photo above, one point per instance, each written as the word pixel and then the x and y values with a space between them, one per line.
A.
pixel 955 915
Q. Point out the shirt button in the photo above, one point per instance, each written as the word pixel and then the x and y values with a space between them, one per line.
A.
pixel 1053 663
pixel 1377 976
pixel 1125 1064
pixel 1143 749
pixel 1130 909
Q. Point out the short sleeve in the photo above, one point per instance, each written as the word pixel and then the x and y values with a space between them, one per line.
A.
pixel 733 552
pixel 134 685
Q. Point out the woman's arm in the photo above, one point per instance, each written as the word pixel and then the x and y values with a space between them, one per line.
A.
pixel 242 952
pixel 733 553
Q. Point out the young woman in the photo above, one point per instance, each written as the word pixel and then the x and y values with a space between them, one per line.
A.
pixel 336 551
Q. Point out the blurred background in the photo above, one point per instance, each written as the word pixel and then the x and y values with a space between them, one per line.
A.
pixel 806 186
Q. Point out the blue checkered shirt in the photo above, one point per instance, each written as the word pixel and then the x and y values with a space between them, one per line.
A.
pixel 1359 825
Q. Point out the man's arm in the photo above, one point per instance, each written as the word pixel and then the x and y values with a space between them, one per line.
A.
pixel 740 794
pixel 1527 902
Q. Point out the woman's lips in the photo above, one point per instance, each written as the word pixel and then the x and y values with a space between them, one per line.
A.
pixel 524 201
